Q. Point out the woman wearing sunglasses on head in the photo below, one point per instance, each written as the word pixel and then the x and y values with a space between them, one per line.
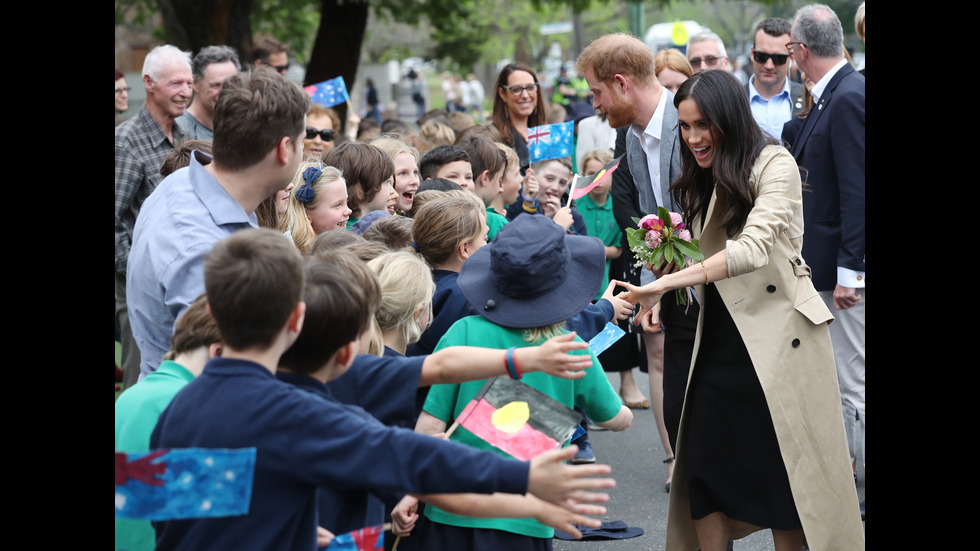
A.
pixel 322 125
pixel 517 106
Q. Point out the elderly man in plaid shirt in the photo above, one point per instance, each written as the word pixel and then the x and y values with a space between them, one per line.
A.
pixel 142 143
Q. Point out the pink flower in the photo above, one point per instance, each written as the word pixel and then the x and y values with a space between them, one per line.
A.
pixel 651 222
pixel 676 220
pixel 652 239
pixel 684 234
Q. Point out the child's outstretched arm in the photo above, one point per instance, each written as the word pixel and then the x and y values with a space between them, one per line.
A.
pixel 568 486
pixel 500 505
pixel 457 364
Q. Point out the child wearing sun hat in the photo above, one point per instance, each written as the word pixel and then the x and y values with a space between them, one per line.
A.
pixel 524 285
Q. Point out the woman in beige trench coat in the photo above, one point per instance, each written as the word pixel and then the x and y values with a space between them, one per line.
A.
pixel 743 198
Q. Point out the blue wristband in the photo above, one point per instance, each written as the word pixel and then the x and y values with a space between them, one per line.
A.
pixel 512 365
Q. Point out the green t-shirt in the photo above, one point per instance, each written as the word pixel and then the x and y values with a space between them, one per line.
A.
pixel 137 411
pixel 495 221
pixel 602 224
pixel 593 393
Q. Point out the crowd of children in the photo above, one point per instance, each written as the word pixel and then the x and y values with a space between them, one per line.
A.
pixel 384 285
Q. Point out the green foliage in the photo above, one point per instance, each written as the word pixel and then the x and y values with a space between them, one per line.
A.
pixel 294 22
pixel 136 12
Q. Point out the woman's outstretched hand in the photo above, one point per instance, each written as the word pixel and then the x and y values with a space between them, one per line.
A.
pixel 647 296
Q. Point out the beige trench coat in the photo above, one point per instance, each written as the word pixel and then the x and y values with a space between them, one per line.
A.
pixel 783 322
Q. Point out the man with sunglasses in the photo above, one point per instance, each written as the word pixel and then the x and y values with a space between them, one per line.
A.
pixel 212 66
pixel 273 53
pixel 774 98
pixel 706 50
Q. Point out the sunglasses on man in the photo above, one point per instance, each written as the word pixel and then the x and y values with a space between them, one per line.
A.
pixel 763 57
pixel 327 134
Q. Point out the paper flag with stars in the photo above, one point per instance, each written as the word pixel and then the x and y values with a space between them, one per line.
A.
pixel 518 419
pixel 550 141
pixel 170 484
pixel 329 92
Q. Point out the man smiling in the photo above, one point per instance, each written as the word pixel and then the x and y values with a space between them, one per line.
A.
pixel 142 143
pixel 773 97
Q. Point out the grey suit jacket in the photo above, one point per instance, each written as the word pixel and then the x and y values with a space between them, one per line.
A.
pixel 670 162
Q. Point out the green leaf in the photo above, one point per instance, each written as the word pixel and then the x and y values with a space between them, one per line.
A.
pixel 689 249
pixel 636 220
pixel 657 256
pixel 669 253
pixel 664 215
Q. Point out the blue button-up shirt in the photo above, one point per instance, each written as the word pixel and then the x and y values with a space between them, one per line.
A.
pixel 772 113
pixel 178 224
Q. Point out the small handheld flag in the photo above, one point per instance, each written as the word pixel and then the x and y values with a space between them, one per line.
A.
pixel 329 92
pixel 362 539
pixel 550 141
pixel 583 185
pixel 606 338
pixel 170 484
pixel 518 419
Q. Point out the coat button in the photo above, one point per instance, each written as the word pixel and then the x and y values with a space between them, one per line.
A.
pixel 798 262
pixel 771 288
pixel 796 343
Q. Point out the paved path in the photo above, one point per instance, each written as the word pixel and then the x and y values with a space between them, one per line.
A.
pixel 639 499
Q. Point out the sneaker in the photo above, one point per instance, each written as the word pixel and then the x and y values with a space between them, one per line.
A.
pixel 585 453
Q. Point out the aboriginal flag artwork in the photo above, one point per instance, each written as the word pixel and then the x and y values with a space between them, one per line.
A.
pixel 169 484
pixel 518 419
pixel 582 185
pixel 363 539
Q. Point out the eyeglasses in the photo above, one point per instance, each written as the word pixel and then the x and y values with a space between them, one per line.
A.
pixel 126 89
pixel 710 61
pixel 281 68
pixel 763 57
pixel 789 46
pixel 326 134
pixel 516 90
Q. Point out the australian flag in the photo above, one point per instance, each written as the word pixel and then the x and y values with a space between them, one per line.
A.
pixel 168 484
pixel 329 92
pixel 550 141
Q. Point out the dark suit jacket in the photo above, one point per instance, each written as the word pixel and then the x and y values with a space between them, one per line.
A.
pixel 830 151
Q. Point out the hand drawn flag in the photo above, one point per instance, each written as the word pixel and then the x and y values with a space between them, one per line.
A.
pixel 518 419
pixel 363 539
pixel 583 185
pixel 329 92
pixel 550 141
pixel 170 484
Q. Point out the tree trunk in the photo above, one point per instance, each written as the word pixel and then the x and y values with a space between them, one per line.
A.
pixel 337 48
pixel 193 24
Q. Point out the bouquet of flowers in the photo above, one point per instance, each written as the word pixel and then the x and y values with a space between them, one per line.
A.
pixel 660 237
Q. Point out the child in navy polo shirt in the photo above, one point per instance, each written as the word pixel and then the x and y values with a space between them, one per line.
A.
pixel 254 281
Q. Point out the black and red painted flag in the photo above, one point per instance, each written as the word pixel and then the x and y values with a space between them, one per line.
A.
pixel 518 419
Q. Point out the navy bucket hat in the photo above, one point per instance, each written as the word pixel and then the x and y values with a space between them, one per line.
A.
pixel 533 274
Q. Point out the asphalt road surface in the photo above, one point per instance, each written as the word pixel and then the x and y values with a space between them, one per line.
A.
pixel 639 499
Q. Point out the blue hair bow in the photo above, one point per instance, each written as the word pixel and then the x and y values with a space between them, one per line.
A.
pixel 305 192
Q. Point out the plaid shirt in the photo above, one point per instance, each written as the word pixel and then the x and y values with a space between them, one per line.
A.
pixel 141 147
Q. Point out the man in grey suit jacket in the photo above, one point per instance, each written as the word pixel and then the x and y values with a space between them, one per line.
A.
pixel 619 70
pixel 773 97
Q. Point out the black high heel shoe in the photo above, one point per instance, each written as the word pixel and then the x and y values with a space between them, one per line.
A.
pixel 667 485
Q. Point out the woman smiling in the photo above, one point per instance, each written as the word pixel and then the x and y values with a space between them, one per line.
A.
pixel 518 105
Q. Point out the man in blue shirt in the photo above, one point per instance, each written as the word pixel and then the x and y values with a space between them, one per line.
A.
pixel 260 120
pixel 773 97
